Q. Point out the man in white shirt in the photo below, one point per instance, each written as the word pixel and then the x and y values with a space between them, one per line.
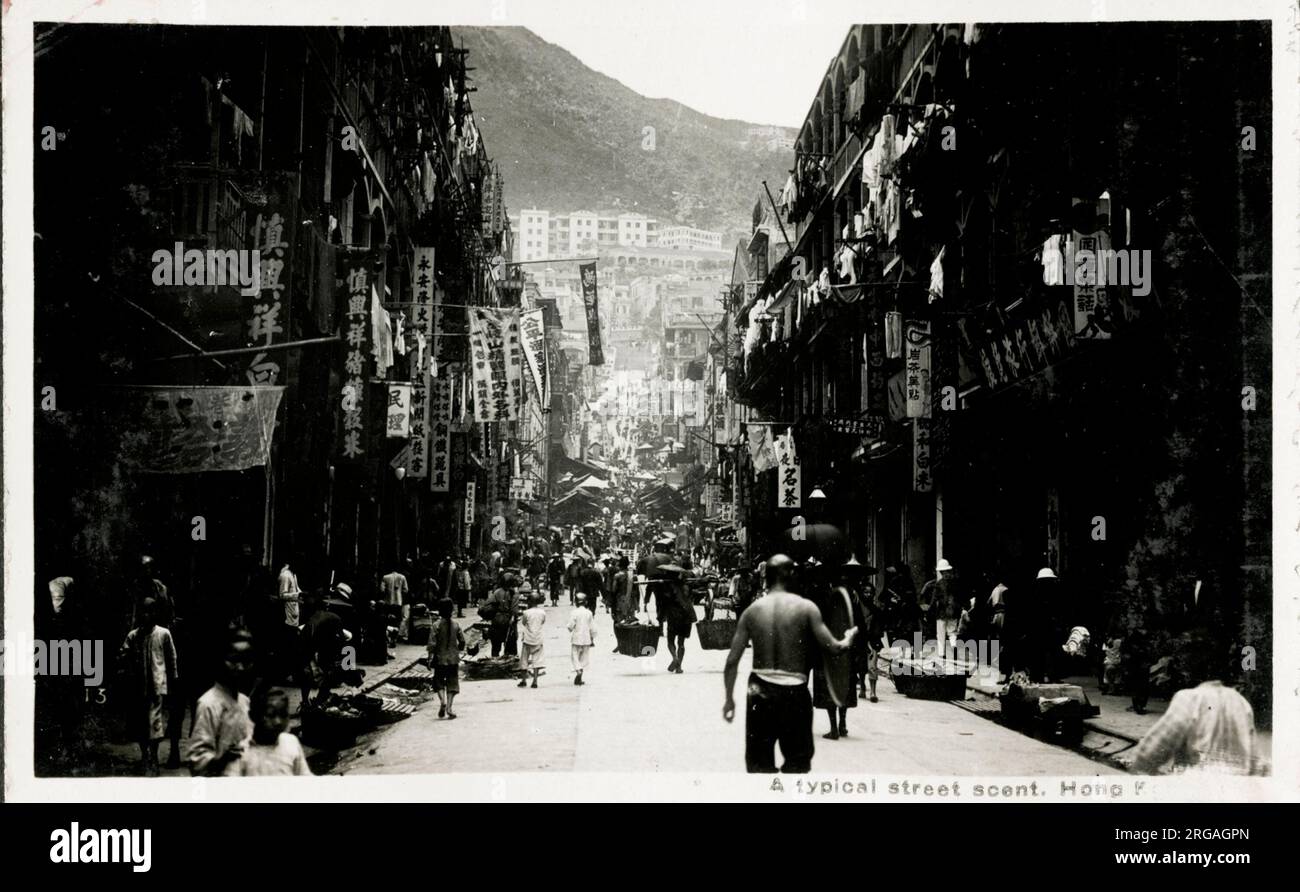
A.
pixel 582 636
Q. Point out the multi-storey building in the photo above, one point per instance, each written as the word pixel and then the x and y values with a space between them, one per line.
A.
pixel 546 235
pixel 690 238
pixel 951 394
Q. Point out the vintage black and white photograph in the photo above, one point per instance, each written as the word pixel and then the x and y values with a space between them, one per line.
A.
pixel 590 390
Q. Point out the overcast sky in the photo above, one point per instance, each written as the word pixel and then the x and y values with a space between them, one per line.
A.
pixel 758 60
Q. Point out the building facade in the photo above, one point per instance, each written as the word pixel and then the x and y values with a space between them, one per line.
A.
pixel 949 389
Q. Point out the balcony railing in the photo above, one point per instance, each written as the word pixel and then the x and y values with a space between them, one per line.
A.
pixel 206 207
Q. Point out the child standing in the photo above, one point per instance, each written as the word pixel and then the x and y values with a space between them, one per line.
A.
pixel 273 752
pixel 446 641
pixel 530 639
pixel 152 657
pixel 582 636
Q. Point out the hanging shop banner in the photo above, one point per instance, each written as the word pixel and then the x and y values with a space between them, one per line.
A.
pixel 439 434
pixel 494 397
pixel 532 329
pixel 1027 346
pixel 523 489
pixel 183 430
pixel 789 482
pixel 399 411
pixel 922 481
pixel 357 363
pixel 589 302
pixel 269 316
pixel 870 427
pixel 471 492
pixel 420 425
pixel 877 401
pixel 423 291
pixel 917 368
pixel 1092 307
pixel 515 363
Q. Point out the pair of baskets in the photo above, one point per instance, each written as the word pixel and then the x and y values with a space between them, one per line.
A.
pixel 637 639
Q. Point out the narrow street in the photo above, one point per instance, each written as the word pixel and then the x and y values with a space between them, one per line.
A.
pixel 631 716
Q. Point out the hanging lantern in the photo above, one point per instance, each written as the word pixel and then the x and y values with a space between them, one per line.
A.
pixel 893 335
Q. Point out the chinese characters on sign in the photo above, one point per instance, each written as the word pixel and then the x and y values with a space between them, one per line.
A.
pixel 922 481
pixel 356 364
pixel 871 427
pixel 523 488
pixel 533 330
pixel 439 434
pixel 589 301
pixel 1092 309
pixel 789 478
pixel 496 362
pixel 877 403
pixel 422 324
pixel 1028 346
pixel 399 410
pixel 916 354
pixel 272 245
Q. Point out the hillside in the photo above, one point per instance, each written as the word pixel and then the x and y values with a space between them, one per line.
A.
pixel 569 138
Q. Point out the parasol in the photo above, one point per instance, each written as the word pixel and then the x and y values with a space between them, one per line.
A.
pixel 823 541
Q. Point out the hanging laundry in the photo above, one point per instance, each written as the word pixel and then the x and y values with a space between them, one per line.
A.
pixel 859 225
pixel 399 334
pixel 1053 261
pixel 789 195
pixel 891 210
pixel 936 276
pixel 847 274
pixel 893 335
pixel 885 136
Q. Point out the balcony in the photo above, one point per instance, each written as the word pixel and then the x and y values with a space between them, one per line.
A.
pixel 207 208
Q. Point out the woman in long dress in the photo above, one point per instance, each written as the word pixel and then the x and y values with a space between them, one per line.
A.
pixel 835 686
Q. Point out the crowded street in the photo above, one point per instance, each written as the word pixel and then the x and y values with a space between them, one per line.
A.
pixel 426 400
pixel 632 716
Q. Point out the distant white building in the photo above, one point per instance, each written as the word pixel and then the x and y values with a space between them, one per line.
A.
pixel 689 238
pixel 546 235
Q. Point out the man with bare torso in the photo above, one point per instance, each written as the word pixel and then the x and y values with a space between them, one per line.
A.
pixel 784 627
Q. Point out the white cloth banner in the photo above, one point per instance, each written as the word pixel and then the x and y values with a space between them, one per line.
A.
pixel 399 410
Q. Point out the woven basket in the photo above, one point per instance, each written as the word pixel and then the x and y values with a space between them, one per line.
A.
pixel 637 640
pixel 716 634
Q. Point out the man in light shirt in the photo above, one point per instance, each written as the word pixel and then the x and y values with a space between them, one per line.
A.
pixel 1209 728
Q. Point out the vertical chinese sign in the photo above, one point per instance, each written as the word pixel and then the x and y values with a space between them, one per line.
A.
pixel 917 368
pixel 589 302
pixel 440 434
pixel 789 477
pixel 422 323
pixel 399 411
pixel 514 349
pixel 922 481
pixel 468 519
pixel 497 396
pixel 532 328
pixel 270 305
pixel 1086 269
pixel 356 364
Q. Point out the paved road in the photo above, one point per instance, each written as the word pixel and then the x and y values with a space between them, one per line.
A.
pixel 632 716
